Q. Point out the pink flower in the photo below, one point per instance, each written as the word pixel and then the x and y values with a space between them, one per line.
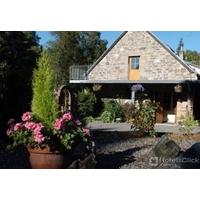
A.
pixel 30 125
pixel 36 128
pixel 18 126
pixel 86 131
pixel 26 116
pixel 78 123
pixel 67 116
pixel 9 132
pixel 58 124
pixel 39 139
pixel 38 136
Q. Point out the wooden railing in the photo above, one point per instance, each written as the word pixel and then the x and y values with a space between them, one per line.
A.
pixel 79 72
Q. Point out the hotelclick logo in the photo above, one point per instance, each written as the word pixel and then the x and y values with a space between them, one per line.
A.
pixel 155 161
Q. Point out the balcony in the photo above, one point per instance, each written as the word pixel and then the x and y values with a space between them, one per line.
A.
pixel 79 72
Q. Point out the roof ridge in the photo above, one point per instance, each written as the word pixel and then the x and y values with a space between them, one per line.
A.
pixel 106 52
pixel 168 48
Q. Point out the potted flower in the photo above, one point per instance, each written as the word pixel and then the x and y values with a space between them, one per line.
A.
pixel 50 148
pixel 53 139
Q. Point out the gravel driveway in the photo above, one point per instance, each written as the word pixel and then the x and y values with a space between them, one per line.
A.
pixel 117 151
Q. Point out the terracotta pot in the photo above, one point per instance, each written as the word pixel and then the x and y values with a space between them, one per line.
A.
pixel 45 159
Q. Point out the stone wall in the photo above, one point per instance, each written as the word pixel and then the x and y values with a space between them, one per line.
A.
pixel 183 108
pixel 156 63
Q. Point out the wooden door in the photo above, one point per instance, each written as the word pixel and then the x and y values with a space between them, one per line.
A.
pixel 134 64
pixel 134 74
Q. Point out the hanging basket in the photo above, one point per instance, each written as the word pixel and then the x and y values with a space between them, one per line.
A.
pixel 96 87
pixel 178 88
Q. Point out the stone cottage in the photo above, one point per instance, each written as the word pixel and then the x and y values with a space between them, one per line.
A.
pixel 139 57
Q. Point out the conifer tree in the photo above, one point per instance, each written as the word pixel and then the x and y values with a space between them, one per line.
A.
pixel 44 105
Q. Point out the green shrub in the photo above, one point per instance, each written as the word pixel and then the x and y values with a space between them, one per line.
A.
pixel 188 124
pixel 44 105
pixel 89 119
pixel 129 110
pixel 86 101
pixel 106 117
pixel 144 117
pixel 112 111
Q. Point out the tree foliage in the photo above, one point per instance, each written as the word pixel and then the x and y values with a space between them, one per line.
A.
pixel 192 56
pixel 86 101
pixel 189 55
pixel 44 105
pixel 74 48
pixel 18 56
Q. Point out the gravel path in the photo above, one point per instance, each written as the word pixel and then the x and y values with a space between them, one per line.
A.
pixel 125 154
pixel 117 152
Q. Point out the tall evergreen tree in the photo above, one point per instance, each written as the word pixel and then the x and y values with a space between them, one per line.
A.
pixel 44 104
pixel 74 48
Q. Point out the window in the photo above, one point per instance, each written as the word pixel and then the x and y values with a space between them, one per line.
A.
pixel 135 62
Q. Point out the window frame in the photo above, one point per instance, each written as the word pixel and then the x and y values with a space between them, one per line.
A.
pixel 134 62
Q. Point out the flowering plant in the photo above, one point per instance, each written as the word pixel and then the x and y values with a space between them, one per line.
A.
pixel 65 132
pixel 137 87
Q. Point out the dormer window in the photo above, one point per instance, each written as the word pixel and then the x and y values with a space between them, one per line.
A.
pixel 134 62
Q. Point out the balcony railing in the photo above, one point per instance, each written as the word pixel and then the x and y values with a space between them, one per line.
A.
pixel 79 72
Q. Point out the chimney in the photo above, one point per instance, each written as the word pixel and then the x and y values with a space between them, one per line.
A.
pixel 180 51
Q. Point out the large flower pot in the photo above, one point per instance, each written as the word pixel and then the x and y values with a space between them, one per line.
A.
pixel 45 159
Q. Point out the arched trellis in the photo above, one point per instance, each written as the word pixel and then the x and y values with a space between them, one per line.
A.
pixel 64 99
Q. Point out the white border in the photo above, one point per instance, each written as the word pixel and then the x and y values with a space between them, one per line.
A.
pixel 99 15
pixel 98 184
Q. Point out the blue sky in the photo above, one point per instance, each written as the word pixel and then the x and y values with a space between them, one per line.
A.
pixel 191 38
